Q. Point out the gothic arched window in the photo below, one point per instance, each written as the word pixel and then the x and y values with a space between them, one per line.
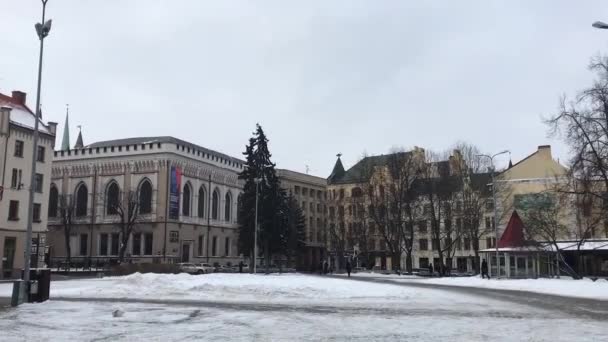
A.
pixel 201 202
pixel 228 207
pixel 145 197
pixel 82 199
pixel 186 196
pixel 215 207
pixel 112 198
pixel 53 201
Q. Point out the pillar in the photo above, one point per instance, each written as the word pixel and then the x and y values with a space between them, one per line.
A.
pixel 507 265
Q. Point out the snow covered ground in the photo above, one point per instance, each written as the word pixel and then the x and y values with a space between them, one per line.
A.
pixel 565 286
pixel 243 307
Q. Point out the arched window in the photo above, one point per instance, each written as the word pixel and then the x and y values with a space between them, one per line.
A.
pixel 53 200
pixel 215 206
pixel 356 192
pixel 228 207
pixel 145 197
pixel 201 202
pixel 82 199
pixel 186 196
pixel 112 200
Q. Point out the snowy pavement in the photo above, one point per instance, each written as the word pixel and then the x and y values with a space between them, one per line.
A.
pixel 564 286
pixel 243 307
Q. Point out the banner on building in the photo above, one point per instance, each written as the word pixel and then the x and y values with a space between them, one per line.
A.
pixel 176 185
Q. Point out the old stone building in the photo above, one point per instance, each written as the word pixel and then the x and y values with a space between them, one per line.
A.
pixel 16 145
pixel 311 193
pixel 351 204
pixel 187 201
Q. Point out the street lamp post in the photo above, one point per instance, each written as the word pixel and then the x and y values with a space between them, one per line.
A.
pixel 255 234
pixel 600 25
pixel 495 206
pixel 42 29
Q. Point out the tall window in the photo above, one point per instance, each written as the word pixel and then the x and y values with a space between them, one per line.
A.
pixel 36 212
pixel 13 210
pixel 145 197
pixel 39 182
pixel 148 244
pixel 215 207
pixel 103 244
pixel 136 244
pixel 53 200
pixel 214 246
pixel 84 238
pixel 201 239
pixel 186 195
pixel 40 154
pixel 18 148
pixel 82 198
pixel 228 207
pixel 227 247
pixel 201 203
pixel 112 199
pixel 114 249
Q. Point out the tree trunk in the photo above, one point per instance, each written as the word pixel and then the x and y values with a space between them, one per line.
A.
pixel 68 249
pixel 476 261
pixel 409 261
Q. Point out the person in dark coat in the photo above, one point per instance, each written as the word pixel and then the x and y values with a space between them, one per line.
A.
pixel 325 267
pixel 431 269
pixel 348 268
pixel 240 267
pixel 484 269
pixel 320 266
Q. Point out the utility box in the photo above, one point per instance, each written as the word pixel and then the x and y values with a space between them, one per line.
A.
pixel 40 285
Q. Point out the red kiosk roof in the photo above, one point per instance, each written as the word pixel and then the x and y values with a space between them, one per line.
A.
pixel 513 236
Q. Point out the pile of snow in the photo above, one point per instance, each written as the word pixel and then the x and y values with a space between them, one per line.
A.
pixel 286 288
pixel 564 286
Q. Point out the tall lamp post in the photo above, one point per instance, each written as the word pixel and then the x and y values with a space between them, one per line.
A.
pixel 255 234
pixel 42 29
pixel 495 206
pixel 600 25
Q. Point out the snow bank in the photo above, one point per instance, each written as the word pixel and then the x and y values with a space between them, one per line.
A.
pixel 291 288
pixel 565 286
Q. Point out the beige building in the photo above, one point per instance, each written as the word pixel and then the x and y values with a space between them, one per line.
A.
pixel 187 201
pixel 311 194
pixel 349 200
pixel 16 146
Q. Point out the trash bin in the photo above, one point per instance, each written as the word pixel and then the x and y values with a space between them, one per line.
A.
pixel 40 284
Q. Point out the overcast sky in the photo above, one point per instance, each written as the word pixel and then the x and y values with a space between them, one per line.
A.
pixel 321 77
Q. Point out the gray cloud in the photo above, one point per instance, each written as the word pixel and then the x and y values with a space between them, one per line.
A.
pixel 321 76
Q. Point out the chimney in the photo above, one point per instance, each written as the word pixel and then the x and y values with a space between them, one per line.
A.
pixel 544 151
pixel 53 130
pixel 19 97
pixel 5 117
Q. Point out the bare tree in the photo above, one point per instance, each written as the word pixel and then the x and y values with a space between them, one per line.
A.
pixel 66 207
pixel 583 123
pixel 126 208
pixel 438 189
pixel 474 194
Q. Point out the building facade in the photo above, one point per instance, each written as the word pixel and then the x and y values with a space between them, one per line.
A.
pixel 311 193
pixel 16 147
pixel 357 235
pixel 186 198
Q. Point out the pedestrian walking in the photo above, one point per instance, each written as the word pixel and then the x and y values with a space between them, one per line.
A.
pixel 240 266
pixel 348 267
pixel 431 269
pixel 484 269
pixel 320 266
pixel 325 267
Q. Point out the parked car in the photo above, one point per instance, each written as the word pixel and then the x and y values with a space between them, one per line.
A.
pixel 224 269
pixel 190 268
pixel 207 268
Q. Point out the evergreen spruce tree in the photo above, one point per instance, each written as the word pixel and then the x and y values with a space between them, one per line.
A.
pixel 296 228
pixel 246 208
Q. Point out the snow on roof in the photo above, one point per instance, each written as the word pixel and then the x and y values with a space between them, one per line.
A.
pixel 518 249
pixel 589 245
pixel 23 117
